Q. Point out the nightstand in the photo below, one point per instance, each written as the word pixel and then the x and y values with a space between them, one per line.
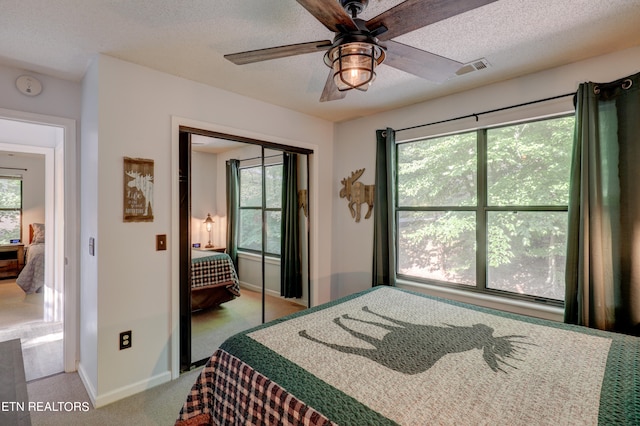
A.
pixel 11 260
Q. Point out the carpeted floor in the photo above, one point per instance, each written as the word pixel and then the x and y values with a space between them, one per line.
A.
pixel 21 318
pixel 18 307
pixel 157 406
pixel 13 387
pixel 211 327
pixel 160 405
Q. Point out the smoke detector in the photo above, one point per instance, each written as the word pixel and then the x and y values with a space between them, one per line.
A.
pixel 29 85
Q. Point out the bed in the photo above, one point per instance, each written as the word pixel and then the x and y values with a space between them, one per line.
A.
pixel 389 356
pixel 213 279
pixel 31 278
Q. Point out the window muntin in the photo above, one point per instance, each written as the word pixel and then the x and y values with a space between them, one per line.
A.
pixel 10 209
pixel 487 210
pixel 252 208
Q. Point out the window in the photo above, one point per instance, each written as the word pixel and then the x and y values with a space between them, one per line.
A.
pixel 253 206
pixel 487 210
pixel 10 209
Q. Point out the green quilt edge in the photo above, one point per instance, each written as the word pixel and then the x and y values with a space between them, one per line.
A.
pixel 619 398
pixel 334 404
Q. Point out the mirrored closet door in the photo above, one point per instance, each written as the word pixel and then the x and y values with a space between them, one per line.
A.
pixel 244 237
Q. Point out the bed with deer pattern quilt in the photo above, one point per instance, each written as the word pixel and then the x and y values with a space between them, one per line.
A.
pixel 213 279
pixel 388 356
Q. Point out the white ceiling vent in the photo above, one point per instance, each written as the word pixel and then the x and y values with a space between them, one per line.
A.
pixel 477 65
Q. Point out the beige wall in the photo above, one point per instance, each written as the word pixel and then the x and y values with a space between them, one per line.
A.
pixel 134 111
pixel 355 142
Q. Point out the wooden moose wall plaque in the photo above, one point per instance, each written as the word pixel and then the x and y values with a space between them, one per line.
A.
pixel 138 190
pixel 357 193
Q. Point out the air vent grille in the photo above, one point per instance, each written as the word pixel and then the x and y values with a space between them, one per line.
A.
pixel 477 65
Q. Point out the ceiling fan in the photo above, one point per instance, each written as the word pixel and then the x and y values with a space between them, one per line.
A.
pixel 355 51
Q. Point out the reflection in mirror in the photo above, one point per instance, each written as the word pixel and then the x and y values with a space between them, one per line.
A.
pixel 261 200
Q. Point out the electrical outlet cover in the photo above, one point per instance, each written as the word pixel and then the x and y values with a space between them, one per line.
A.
pixel 125 340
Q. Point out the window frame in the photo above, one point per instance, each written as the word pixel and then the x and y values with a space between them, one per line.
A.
pixel 482 210
pixel 19 210
pixel 262 208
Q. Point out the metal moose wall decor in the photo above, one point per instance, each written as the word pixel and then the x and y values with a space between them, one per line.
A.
pixel 357 193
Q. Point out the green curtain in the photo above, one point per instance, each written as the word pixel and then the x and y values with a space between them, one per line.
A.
pixel 290 269
pixel 603 249
pixel 233 208
pixel 384 240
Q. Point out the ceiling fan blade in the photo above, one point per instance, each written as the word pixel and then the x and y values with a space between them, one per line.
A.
pixel 421 63
pixel 414 14
pixel 277 52
pixel 331 92
pixel 330 13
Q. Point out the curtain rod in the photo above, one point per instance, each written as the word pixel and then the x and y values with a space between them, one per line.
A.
pixel 259 157
pixel 478 114
pixel 13 168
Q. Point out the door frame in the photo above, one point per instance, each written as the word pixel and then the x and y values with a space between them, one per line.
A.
pixel 61 212
pixel 179 124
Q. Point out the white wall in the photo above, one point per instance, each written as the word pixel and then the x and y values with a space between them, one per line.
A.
pixel 132 111
pixel 355 142
pixel 204 184
pixel 88 365
pixel 60 98
pixel 56 113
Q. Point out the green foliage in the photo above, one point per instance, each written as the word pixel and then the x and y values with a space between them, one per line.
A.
pixel 527 169
pixel 273 186
pixel 438 172
pixel 528 164
pixel 439 244
pixel 251 207
pixel 251 187
pixel 10 208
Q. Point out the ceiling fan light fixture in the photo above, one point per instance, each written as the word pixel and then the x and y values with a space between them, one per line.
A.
pixel 354 64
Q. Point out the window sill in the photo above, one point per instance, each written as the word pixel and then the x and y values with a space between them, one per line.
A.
pixel 521 307
pixel 258 257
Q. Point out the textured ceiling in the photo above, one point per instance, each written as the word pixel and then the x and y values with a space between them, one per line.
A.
pixel 189 39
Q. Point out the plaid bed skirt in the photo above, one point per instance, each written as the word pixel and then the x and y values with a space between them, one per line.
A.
pixel 213 270
pixel 230 392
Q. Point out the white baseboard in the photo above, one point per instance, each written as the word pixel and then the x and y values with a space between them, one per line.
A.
pixel 91 391
pixel 274 293
pixel 123 392
pixel 258 289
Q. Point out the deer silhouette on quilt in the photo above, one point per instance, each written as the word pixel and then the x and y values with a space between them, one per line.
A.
pixel 414 348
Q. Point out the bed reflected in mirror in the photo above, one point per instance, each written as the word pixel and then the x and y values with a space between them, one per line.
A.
pixel 246 265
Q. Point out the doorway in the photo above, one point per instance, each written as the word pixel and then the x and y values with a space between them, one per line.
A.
pixel 54 139
pixel 256 255
pixel 26 311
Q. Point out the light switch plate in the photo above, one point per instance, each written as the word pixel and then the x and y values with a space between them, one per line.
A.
pixel 161 242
